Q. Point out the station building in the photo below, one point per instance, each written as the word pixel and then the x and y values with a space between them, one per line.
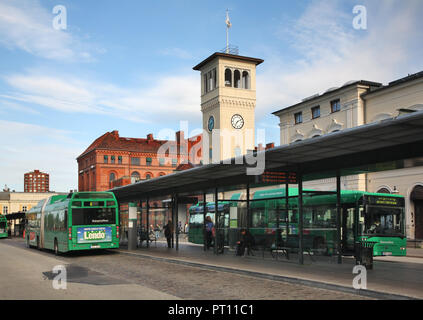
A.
pixel 354 104
pixel 113 161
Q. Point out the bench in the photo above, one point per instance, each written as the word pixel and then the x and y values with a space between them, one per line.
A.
pixel 142 236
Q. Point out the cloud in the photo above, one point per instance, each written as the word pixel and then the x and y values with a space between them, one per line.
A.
pixel 330 52
pixel 177 96
pixel 176 53
pixel 30 147
pixel 27 26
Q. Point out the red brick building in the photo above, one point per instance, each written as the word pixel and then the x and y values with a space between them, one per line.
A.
pixel 112 161
pixel 36 181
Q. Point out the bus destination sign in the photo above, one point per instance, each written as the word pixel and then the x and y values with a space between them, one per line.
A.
pixel 384 201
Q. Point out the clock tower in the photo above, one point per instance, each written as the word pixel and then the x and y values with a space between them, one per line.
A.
pixel 228 100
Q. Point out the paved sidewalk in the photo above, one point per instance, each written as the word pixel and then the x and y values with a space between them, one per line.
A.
pixel 393 278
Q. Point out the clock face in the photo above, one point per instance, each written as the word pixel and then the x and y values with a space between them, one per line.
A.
pixel 237 121
pixel 210 124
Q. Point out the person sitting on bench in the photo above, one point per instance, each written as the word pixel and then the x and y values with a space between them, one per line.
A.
pixel 246 241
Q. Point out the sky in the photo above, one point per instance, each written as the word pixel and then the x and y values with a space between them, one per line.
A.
pixel 127 66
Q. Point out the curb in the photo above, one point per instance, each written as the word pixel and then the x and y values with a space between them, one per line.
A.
pixel 310 283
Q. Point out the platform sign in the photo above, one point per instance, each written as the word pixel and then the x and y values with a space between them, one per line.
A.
pixel 277 177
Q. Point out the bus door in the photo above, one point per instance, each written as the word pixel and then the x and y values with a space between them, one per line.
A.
pixel 348 234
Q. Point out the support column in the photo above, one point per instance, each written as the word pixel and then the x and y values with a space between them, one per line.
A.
pixel 300 218
pixel 204 222
pixel 248 208
pixel 338 215
pixel 148 221
pixel 216 220
pixel 132 226
pixel 177 222
pixel 287 210
pixel 173 221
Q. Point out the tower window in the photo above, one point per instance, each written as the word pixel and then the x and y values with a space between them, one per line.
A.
pixel 237 79
pixel 112 177
pixel 112 159
pixel 228 78
pixel 210 81
pixel 245 80
pixel 106 159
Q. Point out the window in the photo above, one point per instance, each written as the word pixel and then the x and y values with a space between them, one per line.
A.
pixel 120 160
pixel 315 112
pixel 245 80
pixel 209 81
pixel 135 161
pixel 228 78
pixel 112 177
pixel 149 161
pixel 106 159
pixel 24 208
pixel 5 210
pixel 161 162
pixel 237 79
pixel 136 176
pixel 174 162
pixel 335 105
pixel 298 117
pixel 148 176
pixel 112 159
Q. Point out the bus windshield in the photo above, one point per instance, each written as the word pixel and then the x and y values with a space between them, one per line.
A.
pixel 384 221
pixel 93 216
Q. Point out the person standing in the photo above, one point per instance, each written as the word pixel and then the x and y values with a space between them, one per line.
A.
pixel 157 231
pixel 209 232
pixel 168 231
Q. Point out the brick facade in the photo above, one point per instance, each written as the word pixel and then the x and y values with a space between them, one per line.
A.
pixel 112 161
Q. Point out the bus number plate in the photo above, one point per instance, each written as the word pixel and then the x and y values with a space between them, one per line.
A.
pixel 95 246
pixel 387 253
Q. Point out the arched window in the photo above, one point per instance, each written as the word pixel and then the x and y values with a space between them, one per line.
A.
pixel 135 175
pixel 112 177
pixel 161 174
pixel 237 79
pixel 148 176
pixel 228 78
pixel 245 80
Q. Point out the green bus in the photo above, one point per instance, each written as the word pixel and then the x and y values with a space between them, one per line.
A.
pixel 365 216
pixel 77 221
pixel 3 227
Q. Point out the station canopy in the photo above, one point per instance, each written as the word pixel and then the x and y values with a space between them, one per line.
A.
pixel 386 145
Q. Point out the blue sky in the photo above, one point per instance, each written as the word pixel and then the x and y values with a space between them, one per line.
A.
pixel 127 66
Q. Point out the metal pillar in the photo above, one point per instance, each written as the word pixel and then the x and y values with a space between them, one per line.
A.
pixel 300 218
pixel 338 215
pixel 287 209
pixel 132 226
pixel 148 222
pixel 204 222
pixel 216 220
pixel 177 222
pixel 173 221
pixel 248 208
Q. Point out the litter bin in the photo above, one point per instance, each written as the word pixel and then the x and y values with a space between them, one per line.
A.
pixel 364 253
